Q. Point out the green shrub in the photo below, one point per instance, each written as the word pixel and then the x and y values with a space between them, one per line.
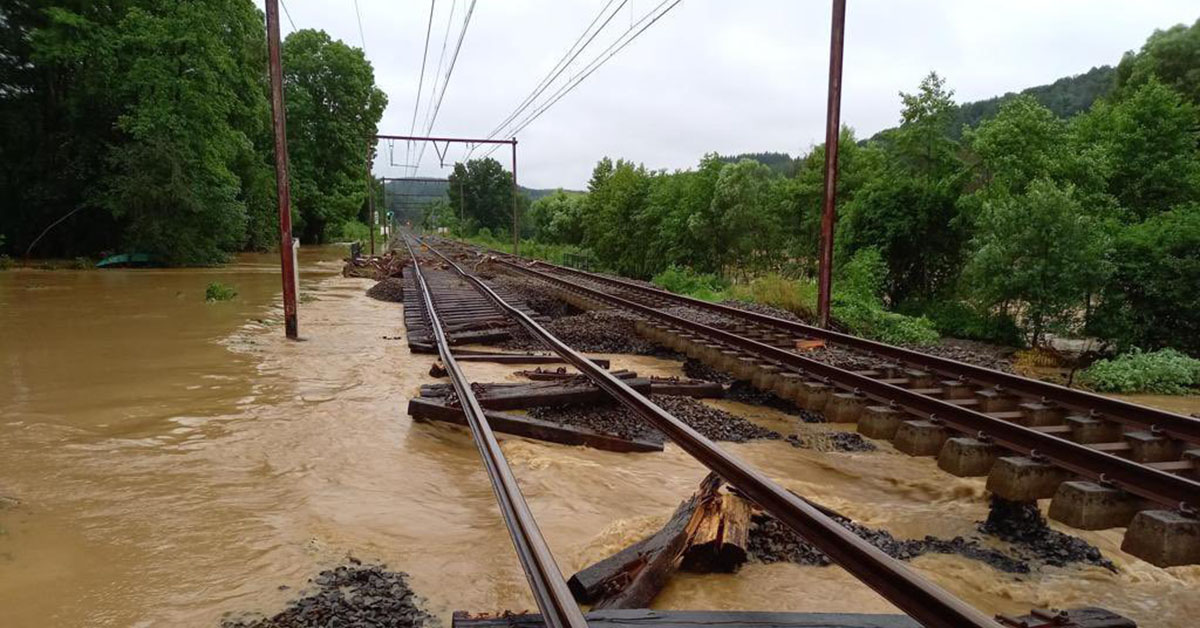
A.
pixel 857 304
pixel 348 231
pixel 683 280
pixel 1166 372
pixel 218 291
pixel 798 296
pixel 6 262
pixel 960 320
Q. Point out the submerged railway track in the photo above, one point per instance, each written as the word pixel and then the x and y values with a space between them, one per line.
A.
pixel 1103 462
pixel 922 600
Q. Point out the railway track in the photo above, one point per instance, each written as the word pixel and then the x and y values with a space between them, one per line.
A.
pixel 922 600
pixel 1103 462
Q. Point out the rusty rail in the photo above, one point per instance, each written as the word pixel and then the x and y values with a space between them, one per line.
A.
pixel 1174 425
pixel 550 591
pixel 921 599
pixel 1164 488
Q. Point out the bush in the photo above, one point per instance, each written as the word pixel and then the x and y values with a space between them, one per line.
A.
pixel 683 280
pixel 857 304
pixel 797 296
pixel 349 231
pixel 1166 372
pixel 960 320
pixel 6 262
pixel 218 291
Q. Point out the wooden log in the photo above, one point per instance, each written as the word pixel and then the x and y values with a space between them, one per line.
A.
pixel 720 542
pixel 529 427
pixel 652 572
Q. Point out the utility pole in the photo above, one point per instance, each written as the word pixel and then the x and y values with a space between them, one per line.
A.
pixel 287 250
pixel 371 203
pixel 832 130
pixel 516 227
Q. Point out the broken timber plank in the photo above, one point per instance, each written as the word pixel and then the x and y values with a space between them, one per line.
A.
pixel 686 388
pixel 722 537
pixel 539 375
pixel 518 396
pixel 529 427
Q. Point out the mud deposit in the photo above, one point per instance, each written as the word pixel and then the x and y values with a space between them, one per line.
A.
pixel 350 595
pixel 612 419
pixel 389 289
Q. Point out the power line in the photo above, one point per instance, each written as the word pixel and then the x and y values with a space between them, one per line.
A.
pixel 288 14
pixel 449 71
pixel 360 28
pixel 591 67
pixel 420 82
pixel 562 64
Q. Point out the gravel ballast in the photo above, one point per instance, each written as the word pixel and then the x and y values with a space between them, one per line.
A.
pixel 350 595
pixel 614 419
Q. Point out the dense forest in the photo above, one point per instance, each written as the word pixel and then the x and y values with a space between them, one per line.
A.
pixel 1024 224
pixel 144 125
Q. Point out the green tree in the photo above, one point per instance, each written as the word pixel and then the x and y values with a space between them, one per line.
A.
pixel 333 109
pixel 1153 296
pixel 481 190
pixel 913 198
pixel 558 218
pixel 617 196
pixel 749 226
pixel 1149 140
pixel 1171 55
pixel 1040 254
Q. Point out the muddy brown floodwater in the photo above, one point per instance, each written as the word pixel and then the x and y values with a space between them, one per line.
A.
pixel 174 461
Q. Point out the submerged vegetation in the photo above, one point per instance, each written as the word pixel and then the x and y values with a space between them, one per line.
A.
pixel 217 291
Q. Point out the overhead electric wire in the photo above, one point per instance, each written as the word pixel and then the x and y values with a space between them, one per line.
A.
pixel 288 14
pixel 562 64
pixel 420 82
pixel 594 65
pixel 361 38
pixel 432 115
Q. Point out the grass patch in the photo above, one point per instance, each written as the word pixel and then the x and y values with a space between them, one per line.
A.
pixel 217 291
pixel 1165 372
pixel 559 254
pixel 682 280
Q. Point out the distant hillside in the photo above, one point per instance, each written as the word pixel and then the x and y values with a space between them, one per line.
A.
pixel 408 198
pixel 1065 97
pixel 780 163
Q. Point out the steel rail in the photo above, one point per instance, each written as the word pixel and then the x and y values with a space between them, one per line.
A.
pixel 924 601
pixel 1161 421
pixel 1171 491
pixel 550 590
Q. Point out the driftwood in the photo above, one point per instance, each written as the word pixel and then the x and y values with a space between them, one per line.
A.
pixel 708 532
pixel 423 409
pixel 387 265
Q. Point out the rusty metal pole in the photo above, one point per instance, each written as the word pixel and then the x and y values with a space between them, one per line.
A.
pixel 282 188
pixel 832 130
pixel 516 227
pixel 371 203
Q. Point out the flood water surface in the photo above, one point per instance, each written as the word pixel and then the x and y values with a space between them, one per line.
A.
pixel 166 461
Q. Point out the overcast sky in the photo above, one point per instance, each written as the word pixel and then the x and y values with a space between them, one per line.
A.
pixel 712 75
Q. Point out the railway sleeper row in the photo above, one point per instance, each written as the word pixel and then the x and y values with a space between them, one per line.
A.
pixel 902 587
pixel 1161 537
